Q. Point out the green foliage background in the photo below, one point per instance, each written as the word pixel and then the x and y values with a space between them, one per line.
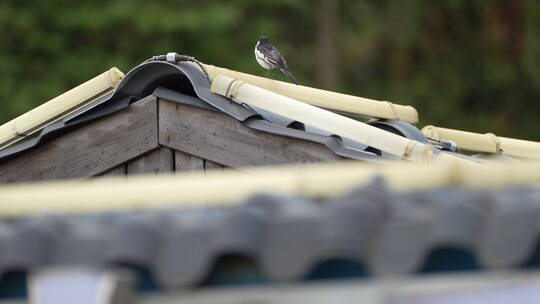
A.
pixel 467 64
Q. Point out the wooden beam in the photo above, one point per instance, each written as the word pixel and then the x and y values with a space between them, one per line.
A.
pixel 154 162
pixel 90 150
pixel 220 138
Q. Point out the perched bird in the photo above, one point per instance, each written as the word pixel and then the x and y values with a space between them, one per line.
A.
pixel 269 58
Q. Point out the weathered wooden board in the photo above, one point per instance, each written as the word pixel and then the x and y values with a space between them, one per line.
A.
pixel 185 162
pixel 210 165
pixel 158 161
pixel 90 150
pixel 118 171
pixel 222 139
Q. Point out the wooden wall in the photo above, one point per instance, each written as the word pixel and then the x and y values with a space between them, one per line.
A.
pixel 154 136
pixel 90 150
pixel 163 160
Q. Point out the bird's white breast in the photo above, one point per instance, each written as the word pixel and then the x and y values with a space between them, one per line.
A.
pixel 260 59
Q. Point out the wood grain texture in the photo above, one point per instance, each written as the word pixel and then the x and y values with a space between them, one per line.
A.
pixel 118 171
pixel 158 161
pixel 220 138
pixel 210 165
pixel 185 162
pixel 90 150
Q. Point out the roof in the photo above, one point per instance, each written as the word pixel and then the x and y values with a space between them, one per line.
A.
pixel 184 85
pixel 279 224
pixel 372 227
pixel 350 219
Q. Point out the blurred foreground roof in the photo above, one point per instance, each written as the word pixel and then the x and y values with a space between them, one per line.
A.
pixel 368 231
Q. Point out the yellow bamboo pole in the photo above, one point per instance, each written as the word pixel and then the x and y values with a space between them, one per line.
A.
pixel 324 99
pixel 246 93
pixel 231 187
pixel 486 143
pixel 59 107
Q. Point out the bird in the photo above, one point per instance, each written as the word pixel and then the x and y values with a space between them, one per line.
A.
pixel 269 58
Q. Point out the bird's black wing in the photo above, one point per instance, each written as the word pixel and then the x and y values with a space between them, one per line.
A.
pixel 273 56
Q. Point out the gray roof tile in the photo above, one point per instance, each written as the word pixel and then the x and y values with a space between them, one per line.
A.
pixel 287 237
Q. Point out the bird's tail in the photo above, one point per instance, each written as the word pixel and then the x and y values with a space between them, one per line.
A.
pixel 289 75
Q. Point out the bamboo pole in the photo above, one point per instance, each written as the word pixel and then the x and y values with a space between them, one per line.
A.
pixel 487 143
pixel 230 187
pixel 59 107
pixel 243 92
pixel 324 99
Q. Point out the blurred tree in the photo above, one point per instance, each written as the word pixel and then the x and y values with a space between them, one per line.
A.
pixel 326 61
pixel 467 64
